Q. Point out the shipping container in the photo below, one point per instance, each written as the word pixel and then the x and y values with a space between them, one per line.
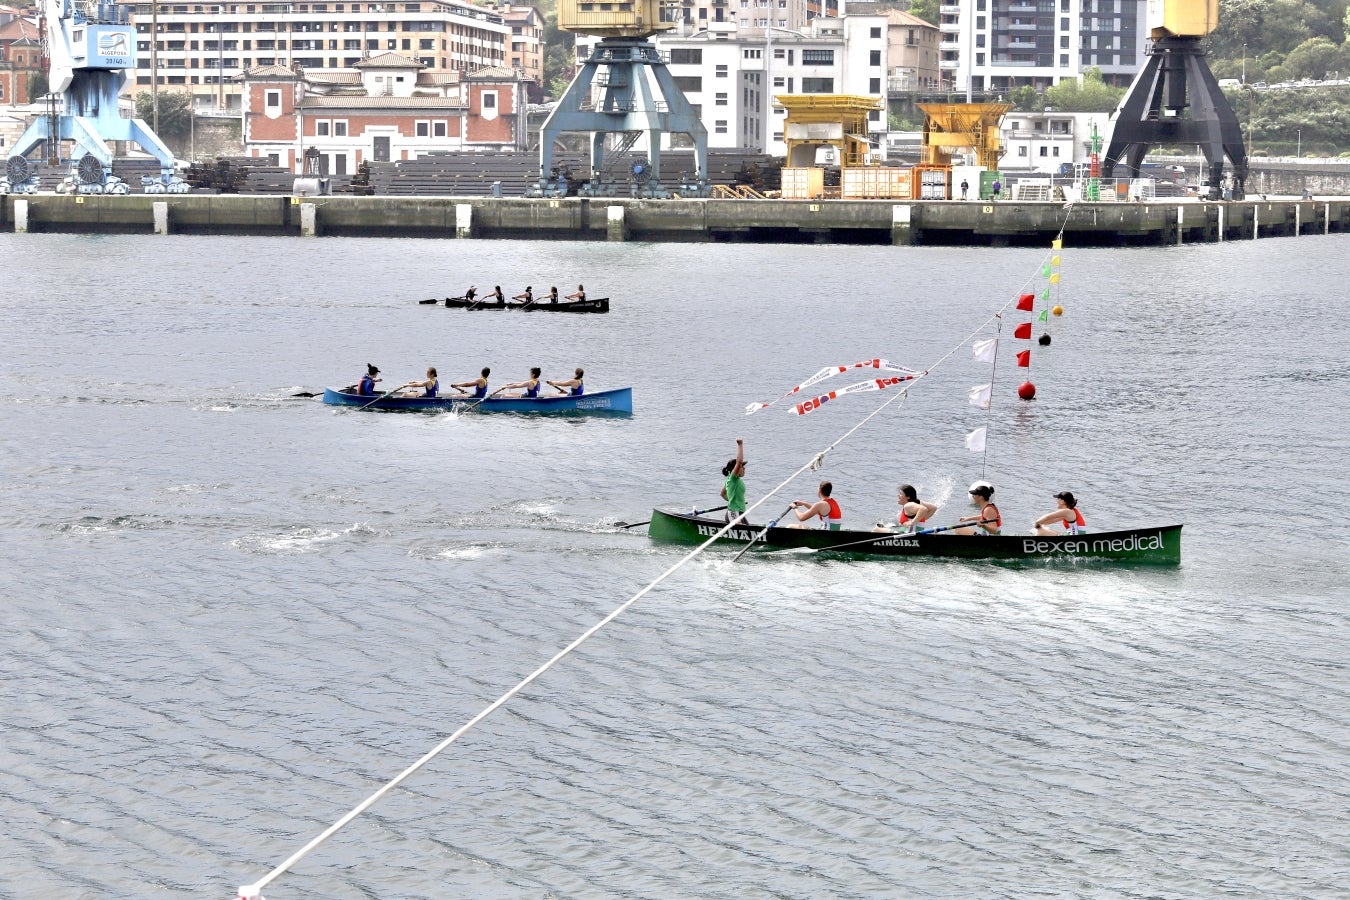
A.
pixel 803 184
pixel 876 183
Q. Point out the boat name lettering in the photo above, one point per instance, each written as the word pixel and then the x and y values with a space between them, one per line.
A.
pixel 1132 544
pixel 896 542
pixel 595 403
pixel 735 534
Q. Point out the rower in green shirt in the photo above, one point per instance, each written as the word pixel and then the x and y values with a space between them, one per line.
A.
pixel 733 491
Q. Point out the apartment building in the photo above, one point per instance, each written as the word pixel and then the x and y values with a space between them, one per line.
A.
pixel 204 48
pixel 998 45
pixel 20 56
pixel 914 56
pixel 792 14
pixel 526 50
pixel 1044 141
pixel 730 74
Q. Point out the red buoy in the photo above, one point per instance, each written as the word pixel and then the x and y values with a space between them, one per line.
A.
pixel 1026 390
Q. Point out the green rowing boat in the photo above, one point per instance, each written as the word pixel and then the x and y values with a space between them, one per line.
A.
pixel 1158 545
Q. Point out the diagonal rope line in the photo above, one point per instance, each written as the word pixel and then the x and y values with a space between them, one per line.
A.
pixel 254 891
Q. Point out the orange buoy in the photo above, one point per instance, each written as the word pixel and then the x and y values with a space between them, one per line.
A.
pixel 1057 310
pixel 1026 390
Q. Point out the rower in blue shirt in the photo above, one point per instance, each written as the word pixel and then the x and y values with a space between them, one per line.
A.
pixel 479 384
pixel 430 387
pixel 368 381
pixel 529 388
pixel 571 386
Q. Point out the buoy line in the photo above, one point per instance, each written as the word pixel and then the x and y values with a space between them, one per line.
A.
pixel 254 891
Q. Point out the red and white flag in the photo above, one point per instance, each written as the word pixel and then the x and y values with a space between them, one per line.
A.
pixel 876 384
pixel 830 372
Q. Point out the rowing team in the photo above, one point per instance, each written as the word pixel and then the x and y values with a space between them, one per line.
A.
pixel 914 513
pixel 495 296
pixel 431 387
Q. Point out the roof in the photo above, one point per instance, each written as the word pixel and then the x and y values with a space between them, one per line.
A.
pixel 389 61
pixel 19 29
pixel 358 102
pixel 495 73
pixel 896 17
pixel 332 76
pixel 261 72
pixel 439 78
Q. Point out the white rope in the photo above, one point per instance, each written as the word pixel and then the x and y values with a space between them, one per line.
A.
pixel 254 891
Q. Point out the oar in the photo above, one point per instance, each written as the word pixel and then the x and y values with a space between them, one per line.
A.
pixel 383 396
pixel 881 537
pixel 763 531
pixel 308 394
pixel 697 512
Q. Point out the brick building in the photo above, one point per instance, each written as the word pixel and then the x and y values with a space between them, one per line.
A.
pixel 383 109
pixel 20 56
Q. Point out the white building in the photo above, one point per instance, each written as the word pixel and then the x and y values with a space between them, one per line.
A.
pixel 1043 141
pixel 998 45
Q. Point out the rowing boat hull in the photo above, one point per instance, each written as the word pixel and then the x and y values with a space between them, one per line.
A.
pixel 616 402
pixel 1159 545
pixel 595 305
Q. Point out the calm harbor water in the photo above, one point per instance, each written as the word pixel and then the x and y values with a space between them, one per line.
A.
pixel 232 614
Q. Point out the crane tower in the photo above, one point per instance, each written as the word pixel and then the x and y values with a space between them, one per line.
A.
pixel 636 94
pixel 90 47
pixel 1175 100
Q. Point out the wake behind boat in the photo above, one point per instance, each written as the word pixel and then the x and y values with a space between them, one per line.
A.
pixel 618 401
pixel 1157 545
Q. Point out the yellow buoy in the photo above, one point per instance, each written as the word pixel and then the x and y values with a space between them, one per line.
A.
pixel 1058 310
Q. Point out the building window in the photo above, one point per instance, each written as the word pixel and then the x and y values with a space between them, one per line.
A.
pixel 1021 151
pixel 489 100
pixel 874 85
pixel 1045 151
pixel 721 72
pixel 686 57
pixel 875 32
pixel 273 99
pixel 321 128
pixel 1063 60
pixel 817 57
pixel 1054 151
pixel 817 85
pixel 423 129
pixel 720 126
pixel 752 54
pixel 874 58
pixel 339 128
pixel 690 84
pixel 719 99
pixel 438 129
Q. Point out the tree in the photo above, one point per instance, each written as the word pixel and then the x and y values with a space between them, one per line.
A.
pixel 1026 98
pixel 1314 58
pixel 175 113
pixel 37 86
pixel 926 10
pixel 1090 95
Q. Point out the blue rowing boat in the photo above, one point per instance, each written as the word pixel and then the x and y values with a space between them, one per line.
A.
pixel 617 402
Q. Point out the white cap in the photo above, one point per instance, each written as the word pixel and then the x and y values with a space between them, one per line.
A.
pixel 979 484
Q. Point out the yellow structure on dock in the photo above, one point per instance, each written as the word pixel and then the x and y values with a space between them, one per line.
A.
pixel 952 126
pixel 627 19
pixel 827 120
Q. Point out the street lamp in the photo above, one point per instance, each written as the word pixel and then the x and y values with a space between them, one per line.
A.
pixel 1299 152
pixel 1244 63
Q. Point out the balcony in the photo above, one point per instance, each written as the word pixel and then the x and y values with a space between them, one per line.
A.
pixel 949 9
pixel 949 64
pixel 950 28
pixel 949 45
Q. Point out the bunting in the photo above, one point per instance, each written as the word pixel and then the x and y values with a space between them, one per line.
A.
pixel 980 395
pixel 986 351
pixel 1024 359
pixel 975 440
pixel 830 372
pixel 1023 332
pixel 875 384
pixel 1025 302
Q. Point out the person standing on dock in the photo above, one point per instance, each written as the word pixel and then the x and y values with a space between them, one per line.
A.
pixel 965 188
pixel 733 488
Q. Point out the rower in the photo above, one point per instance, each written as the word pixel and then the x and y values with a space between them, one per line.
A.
pixel 368 381
pixel 1066 513
pixel 479 384
pixel 495 296
pixel 430 387
pixel 572 386
pixel 527 296
pixel 553 295
pixel 827 508
pixel 989 520
pixel 913 511
pixel 530 386
pixel 579 294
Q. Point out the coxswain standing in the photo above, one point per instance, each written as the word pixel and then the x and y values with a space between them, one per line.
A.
pixel 733 488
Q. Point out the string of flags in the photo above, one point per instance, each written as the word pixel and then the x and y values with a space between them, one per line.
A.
pixel 872 384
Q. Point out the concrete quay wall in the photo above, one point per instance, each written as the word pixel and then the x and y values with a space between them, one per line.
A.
pixel 897 222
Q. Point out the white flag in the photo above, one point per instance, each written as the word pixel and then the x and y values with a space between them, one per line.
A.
pixel 979 395
pixel 975 440
pixel 984 350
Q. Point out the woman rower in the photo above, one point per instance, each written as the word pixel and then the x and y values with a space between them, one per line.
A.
pixel 733 488
pixel 430 387
pixel 553 295
pixel 479 384
pixel 989 520
pixel 579 294
pixel 831 516
pixel 495 296
pixel 530 386
pixel 1066 513
pixel 574 384
pixel 366 387
pixel 527 296
pixel 913 511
